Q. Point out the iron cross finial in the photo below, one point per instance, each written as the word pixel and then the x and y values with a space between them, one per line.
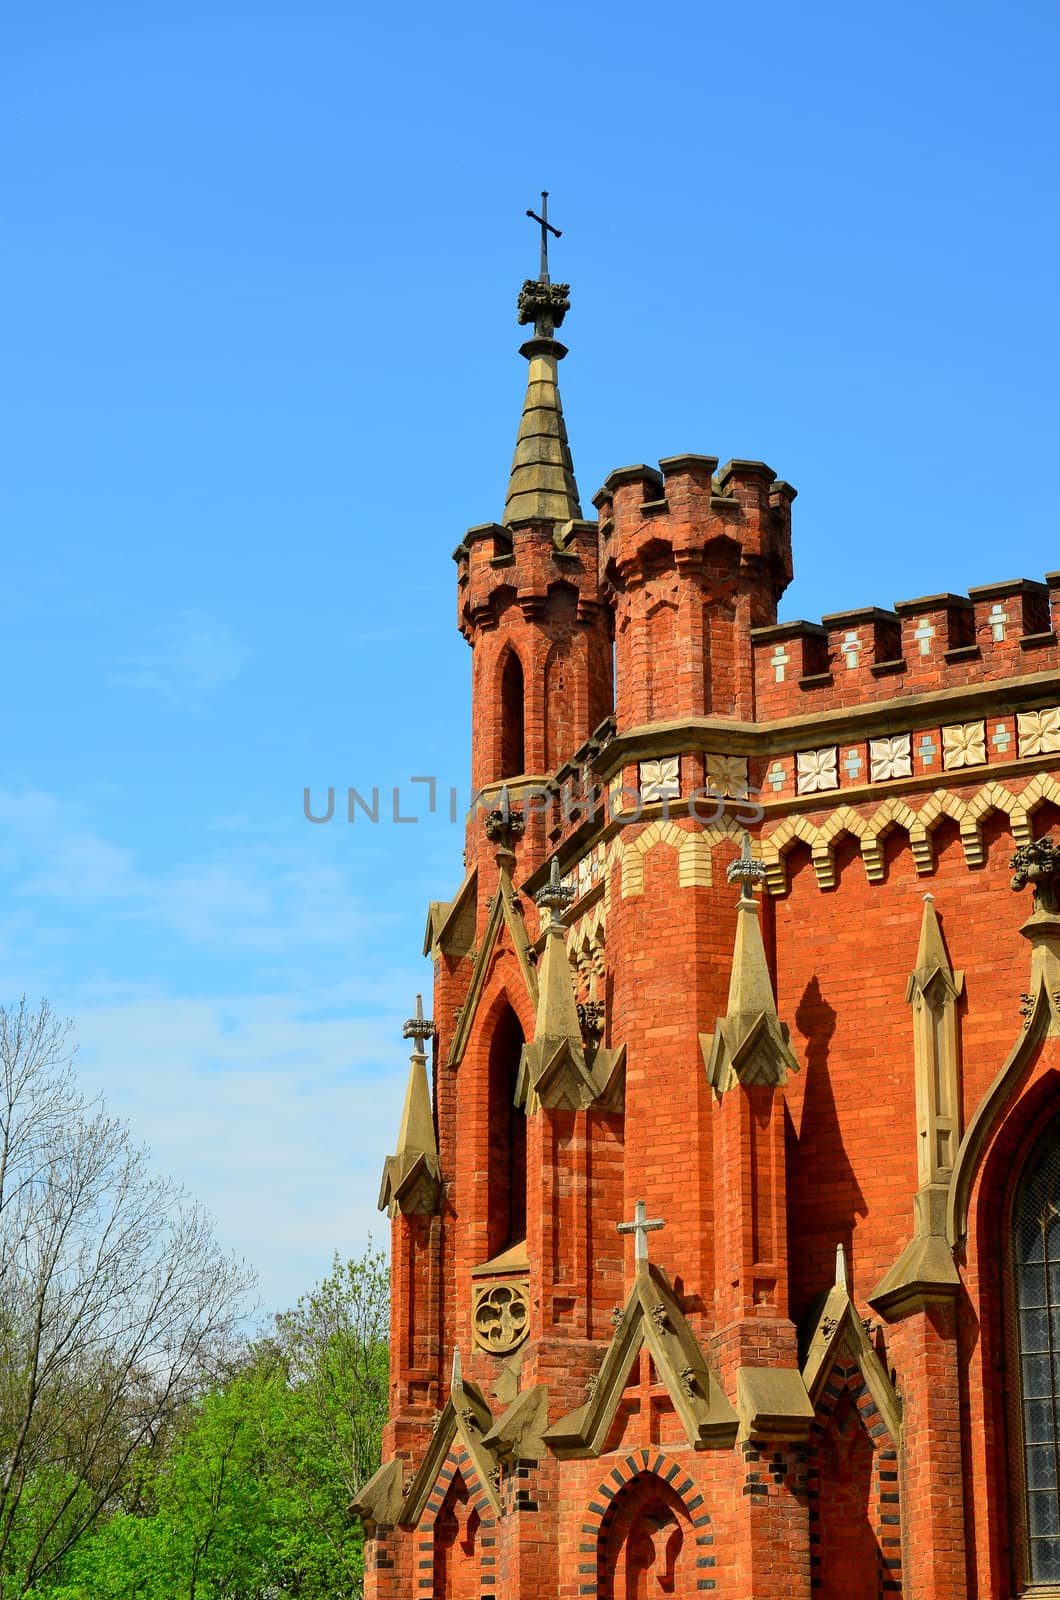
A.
pixel 546 229
pixel 641 1225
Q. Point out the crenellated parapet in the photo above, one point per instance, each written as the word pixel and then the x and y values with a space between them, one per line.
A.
pixel 692 559
pixel 498 567
pixel 919 647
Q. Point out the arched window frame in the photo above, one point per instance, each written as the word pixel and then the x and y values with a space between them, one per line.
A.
pixel 1032 1349
pixel 511 714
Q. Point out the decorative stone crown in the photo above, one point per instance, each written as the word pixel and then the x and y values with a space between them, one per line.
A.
pixel 537 299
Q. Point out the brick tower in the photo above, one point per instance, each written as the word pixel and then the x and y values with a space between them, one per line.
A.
pixel 725 1249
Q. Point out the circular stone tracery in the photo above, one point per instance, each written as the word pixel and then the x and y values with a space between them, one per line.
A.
pixel 502 1316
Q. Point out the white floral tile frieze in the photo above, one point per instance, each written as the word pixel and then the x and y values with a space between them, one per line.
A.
pixel 891 758
pixel 1039 732
pixel 964 745
pixel 727 775
pixel 817 769
pixel 660 780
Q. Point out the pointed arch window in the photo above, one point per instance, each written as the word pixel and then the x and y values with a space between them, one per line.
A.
pixel 513 718
pixel 507 1137
pixel 1036 1293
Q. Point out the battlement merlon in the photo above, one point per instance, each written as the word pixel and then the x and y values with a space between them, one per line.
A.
pixel 497 564
pixel 690 504
pixel 998 631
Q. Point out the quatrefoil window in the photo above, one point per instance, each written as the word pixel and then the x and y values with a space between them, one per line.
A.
pixel 502 1316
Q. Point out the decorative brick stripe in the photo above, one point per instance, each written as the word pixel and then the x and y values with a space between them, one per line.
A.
pixel 456 1462
pixel 606 1498
pixel 846 1378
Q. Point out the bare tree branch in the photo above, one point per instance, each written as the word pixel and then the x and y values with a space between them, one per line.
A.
pixel 113 1295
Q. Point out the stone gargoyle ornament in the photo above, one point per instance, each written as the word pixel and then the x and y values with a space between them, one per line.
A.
pixel 1039 865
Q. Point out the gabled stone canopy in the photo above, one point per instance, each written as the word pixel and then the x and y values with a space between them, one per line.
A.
pixel 839 1326
pixel 651 1317
pixel 465 1416
pixel 504 915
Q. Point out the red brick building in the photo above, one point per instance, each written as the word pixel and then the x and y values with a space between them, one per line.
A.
pixel 827 1061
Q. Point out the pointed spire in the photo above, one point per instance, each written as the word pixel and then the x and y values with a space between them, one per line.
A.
pixel 840 1267
pixel 750 1043
pixel 556 1068
pixel 542 487
pixel 411 1176
pixel 932 962
pixel 750 986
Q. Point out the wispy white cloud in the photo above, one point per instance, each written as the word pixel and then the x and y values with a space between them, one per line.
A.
pixel 274 1118
pixel 232 1008
pixel 186 658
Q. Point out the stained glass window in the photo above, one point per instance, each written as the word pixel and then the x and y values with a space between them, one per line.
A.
pixel 1037 1282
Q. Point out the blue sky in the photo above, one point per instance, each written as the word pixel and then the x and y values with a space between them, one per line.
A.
pixel 258 273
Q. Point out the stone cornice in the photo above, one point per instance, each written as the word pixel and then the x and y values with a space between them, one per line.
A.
pixel 867 793
pixel 902 714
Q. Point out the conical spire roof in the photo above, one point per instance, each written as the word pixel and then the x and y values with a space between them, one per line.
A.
pixel 542 487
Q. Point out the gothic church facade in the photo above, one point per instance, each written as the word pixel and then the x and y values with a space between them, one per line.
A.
pixel 726 1199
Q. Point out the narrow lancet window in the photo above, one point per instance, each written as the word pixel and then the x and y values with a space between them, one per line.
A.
pixel 507 1138
pixel 513 756
pixel 1037 1289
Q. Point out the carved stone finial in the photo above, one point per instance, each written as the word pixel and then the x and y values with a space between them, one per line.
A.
pixel 745 870
pixel 543 304
pixel 418 1027
pixel 503 824
pixel 1039 865
pixel 555 896
pixel 840 1267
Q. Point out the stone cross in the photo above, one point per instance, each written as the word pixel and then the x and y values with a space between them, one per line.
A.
pixel 997 620
pixel 778 662
pixel 418 1027
pixel 546 229
pixel 851 648
pixel 641 1225
pixel 925 632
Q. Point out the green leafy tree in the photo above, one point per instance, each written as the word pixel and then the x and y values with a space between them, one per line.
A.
pixel 248 1501
pixel 113 1295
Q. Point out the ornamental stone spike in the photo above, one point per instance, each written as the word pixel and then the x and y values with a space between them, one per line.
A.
pixel 416 1135
pixel 557 1012
pixel 840 1267
pixel 745 870
pixel 554 897
pixel 750 1043
pixel 542 486
pixel 750 985
pixel 418 1027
